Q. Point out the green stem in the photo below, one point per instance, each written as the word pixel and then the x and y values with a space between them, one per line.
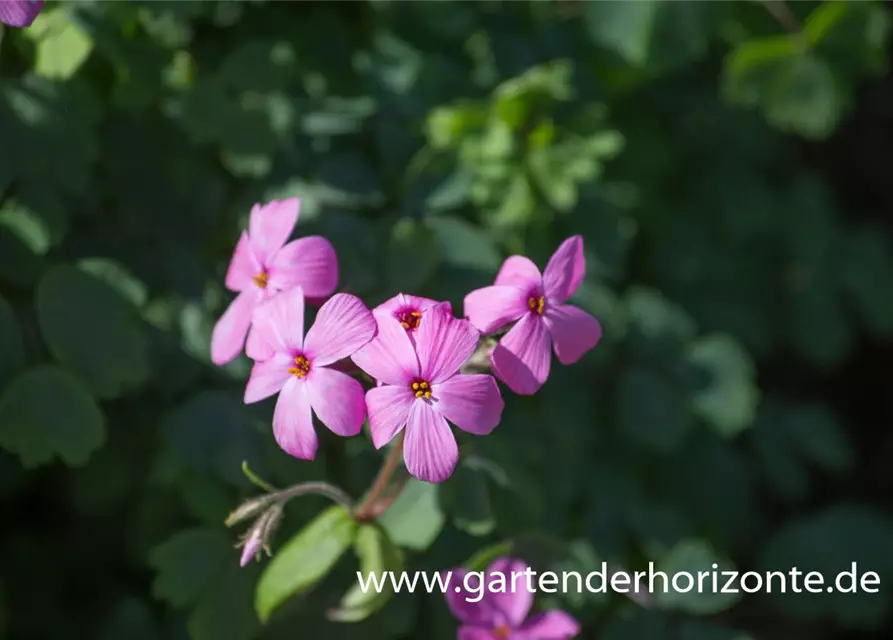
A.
pixel 256 479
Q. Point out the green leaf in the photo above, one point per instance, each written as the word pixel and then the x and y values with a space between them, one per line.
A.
pixel 412 255
pixel 415 519
pixel 729 400
pixel 117 276
pixel 12 348
pixel 652 408
pixel 466 497
pixel 189 563
pixel 62 44
pixel 830 542
pixel 304 560
pixel 131 619
pixel 866 274
pixel 225 611
pixel 483 558
pixel 46 412
pixel 94 331
pixel 378 556
pixel 625 28
pixel 690 557
pixel 37 218
pixel 463 244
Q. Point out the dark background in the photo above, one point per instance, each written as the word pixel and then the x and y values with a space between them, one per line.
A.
pixel 727 164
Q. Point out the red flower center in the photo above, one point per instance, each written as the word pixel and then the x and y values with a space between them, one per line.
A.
pixel 421 388
pixel 301 367
pixel 409 318
pixel 536 304
pixel 502 632
pixel 261 280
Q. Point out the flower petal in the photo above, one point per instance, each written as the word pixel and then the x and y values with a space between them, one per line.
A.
pixel 466 604
pixel 475 633
pixel 491 308
pixel 403 301
pixel 19 13
pixel 565 270
pixel 388 408
pixel 444 343
pixel 309 263
pixel 549 625
pixel 267 378
pixel 522 358
pixel 517 598
pixel 271 224
pixel 337 400
pixel 243 266
pixel 390 356
pixel 256 347
pixel 279 322
pixel 573 332
pixel 229 333
pixel 343 325
pixel 293 421
pixel 471 402
pixel 430 449
pixel 520 272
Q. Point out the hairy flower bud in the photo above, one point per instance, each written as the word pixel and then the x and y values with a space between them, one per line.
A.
pixel 261 534
pixel 248 509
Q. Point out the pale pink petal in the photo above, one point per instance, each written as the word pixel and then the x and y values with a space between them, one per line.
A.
pixel 228 336
pixel 471 402
pixel 523 357
pixel 309 263
pixel 19 13
pixel 279 321
pixel 405 301
pixel 444 343
pixel 293 421
pixel 267 378
pixel 520 272
pixel 243 267
pixel 458 594
pixel 388 408
pixel 491 308
pixel 252 546
pixel 430 449
pixel 337 400
pixel 343 325
pixel 271 224
pixel 390 356
pixel 517 599
pixel 550 625
pixel 565 270
pixel 475 633
pixel 256 347
pixel 573 331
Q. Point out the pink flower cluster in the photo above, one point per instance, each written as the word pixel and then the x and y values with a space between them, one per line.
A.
pixel 414 348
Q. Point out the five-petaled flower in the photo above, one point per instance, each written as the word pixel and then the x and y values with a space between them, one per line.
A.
pixel 408 311
pixel 422 388
pixel 299 370
pixel 496 606
pixel 522 357
pixel 262 266
pixel 19 13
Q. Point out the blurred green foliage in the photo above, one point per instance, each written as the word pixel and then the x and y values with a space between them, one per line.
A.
pixel 428 141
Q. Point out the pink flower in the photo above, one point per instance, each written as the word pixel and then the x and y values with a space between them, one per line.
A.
pixel 299 371
pixel 502 612
pixel 252 546
pixel 408 310
pixel 264 265
pixel 19 13
pixel 522 358
pixel 422 389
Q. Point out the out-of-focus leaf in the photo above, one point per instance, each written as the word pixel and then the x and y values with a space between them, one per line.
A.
pixel 12 348
pixel 467 499
pixel 39 220
pixel 684 561
pixel 118 277
pixel 415 519
pixel 189 563
pixel 304 560
pixel 225 611
pixel 464 245
pixel 830 542
pixel 46 412
pixel 92 330
pixel 131 619
pixel 652 408
pixel 729 400
pixel 866 273
pixel 412 255
pixel 378 556
pixel 62 44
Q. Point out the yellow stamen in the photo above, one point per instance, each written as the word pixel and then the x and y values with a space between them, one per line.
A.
pixel 301 368
pixel 422 389
pixel 261 279
pixel 536 304
pixel 409 319
pixel 502 632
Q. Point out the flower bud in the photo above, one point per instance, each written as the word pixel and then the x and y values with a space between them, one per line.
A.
pixel 248 509
pixel 260 534
pixel 251 548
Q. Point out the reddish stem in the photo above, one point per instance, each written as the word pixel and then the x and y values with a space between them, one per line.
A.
pixel 370 508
